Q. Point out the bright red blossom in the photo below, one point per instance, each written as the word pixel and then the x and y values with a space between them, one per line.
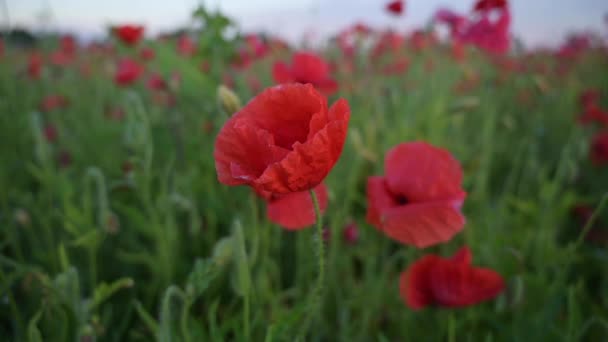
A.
pixel 284 140
pixel 395 7
pixel 306 67
pixel 127 72
pixel 452 282
pixel 295 211
pixel 418 201
pixel 487 5
pixel 129 34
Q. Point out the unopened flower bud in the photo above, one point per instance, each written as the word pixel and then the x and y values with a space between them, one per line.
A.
pixel 228 100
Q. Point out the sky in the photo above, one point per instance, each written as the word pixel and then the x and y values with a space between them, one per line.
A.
pixel 537 22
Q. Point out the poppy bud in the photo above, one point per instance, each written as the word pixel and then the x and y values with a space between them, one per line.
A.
pixel 228 100
pixel 223 251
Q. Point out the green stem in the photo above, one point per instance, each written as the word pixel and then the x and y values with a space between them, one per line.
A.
pixel 317 295
pixel 451 328
pixel 591 221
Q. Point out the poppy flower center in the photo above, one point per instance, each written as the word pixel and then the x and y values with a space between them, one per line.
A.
pixel 401 200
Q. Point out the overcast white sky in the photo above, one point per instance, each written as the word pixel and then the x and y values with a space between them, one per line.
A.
pixel 536 21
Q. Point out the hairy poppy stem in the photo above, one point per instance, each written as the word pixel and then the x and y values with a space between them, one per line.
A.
pixel 316 302
pixel 591 221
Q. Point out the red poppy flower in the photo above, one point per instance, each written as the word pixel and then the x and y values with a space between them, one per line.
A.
pixel 589 97
pixel 52 102
pixel 452 282
pixel 67 44
pixel 186 46
pixel 129 34
pixel 351 233
pixel 146 54
pixel 306 67
pixel 397 67
pixel 284 140
pixel 295 211
pixel 156 82
pixel 599 149
pixel 486 5
pixel 50 133
pixel 488 33
pixel 34 66
pixel 128 72
pixel 592 114
pixel 61 58
pixel 418 201
pixel 455 21
pixel 395 7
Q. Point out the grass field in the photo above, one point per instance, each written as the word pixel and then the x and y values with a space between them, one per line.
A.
pixel 114 227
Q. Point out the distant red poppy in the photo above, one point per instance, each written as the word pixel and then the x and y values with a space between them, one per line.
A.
pixel 397 67
pixel 590 96
pixel 50 133
pixel 388 42
pixel 61 58
pixel 418 201
pixel 127 72
pixel 453 282
pixel 350 233
pixel 67 44
pixel 489 33
pixel 284 140
pixel 156 82
pixel 395 7
pixel 129 34
pixel 599 149
pixel 52 102
pixel 295 211
pixel 306 67
pixel 455 21
pixel 146 54
pixel 594 114
pixel 34 66
pixel 186 46
pixel 486 5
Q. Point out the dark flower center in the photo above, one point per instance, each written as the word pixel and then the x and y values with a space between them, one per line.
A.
pixel 401 200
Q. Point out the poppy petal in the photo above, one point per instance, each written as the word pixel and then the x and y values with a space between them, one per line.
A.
pixel 295 211
pixel 242 152
pixel 379 199
pixel 456 284
pixel 414 285
pixel 423 224
pixel 422 172
pixel 281 73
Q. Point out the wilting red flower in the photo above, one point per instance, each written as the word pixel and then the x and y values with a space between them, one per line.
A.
pixel 156 82
pixel 395 7
pixel 351 233
pixel 306 67
pixel 52 102
pixel 186 46
pixel 295 211
pixel 34 66
pixel 146 54
pixel 129 34
pixel 453 282
pixel 418 201
pixel 284 140
pixel 599 149
pixel 486 5
pixel 127 72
